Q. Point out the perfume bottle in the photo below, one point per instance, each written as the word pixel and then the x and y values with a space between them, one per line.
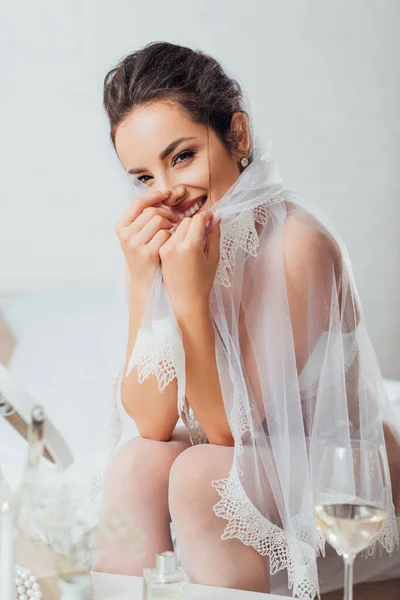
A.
pixel 167 580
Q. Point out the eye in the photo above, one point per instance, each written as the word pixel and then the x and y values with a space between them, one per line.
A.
pixel 141 178
pixel 184 156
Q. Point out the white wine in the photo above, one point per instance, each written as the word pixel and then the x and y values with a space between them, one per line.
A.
pixel 349 528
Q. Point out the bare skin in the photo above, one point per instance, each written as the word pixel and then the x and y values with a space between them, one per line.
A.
pixel 200 167
pixel 198 171
pixel 169 479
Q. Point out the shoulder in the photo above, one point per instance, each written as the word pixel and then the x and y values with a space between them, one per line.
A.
pixel 307 244
pixel 311 259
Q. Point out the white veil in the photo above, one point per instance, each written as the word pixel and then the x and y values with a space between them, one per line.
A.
pixel 294 372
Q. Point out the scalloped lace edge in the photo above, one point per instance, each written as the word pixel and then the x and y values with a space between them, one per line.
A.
pixel 247 524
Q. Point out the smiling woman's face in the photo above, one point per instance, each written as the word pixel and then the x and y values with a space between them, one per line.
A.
pixel 161 145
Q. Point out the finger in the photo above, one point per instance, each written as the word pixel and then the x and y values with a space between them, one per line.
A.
pixel 159 240
pixel 150 198
pixel 181 231
pixel 213 242
pixel 197 228
pixel 148 214
pixel 152 227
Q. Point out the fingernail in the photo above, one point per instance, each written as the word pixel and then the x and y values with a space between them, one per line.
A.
pixel 165 191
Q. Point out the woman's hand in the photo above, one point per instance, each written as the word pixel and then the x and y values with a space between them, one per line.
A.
pixel 189 264
pixel 142 230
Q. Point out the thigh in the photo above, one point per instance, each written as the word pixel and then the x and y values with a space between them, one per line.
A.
pixel 205 461
pixel 208 556
pixel 192 473
pixel 144 464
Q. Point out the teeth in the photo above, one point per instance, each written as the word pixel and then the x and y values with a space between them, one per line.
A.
pixel 192 211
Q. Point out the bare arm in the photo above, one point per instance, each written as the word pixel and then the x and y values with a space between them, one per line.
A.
pixel 142 230
pixel 189 269
pixel 155 413
pixel 203 389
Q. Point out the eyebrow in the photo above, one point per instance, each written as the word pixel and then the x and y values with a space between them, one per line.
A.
pixel 163 155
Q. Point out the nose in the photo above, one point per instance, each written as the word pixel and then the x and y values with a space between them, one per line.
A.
pixel 177 195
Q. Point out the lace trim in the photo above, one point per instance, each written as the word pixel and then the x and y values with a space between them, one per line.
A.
pixel 241 233
pixel 197 434
pixel 239 420
pixel 155 353
pixel 160 352
pixel 247 524
pixel 388 539
pixel 238 233
pixel 296 553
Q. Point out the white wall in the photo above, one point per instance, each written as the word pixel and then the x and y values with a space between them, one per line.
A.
pixel 323 82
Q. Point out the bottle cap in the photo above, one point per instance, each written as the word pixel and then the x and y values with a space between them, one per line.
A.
pixel 166 563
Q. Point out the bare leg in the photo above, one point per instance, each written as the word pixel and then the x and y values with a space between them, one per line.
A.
pixel 137 485
pixel 206 558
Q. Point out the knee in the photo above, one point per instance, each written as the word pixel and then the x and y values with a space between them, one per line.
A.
pixel 189 473
pixel 142 459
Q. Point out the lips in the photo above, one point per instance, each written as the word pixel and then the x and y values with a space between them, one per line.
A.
pixel 180 209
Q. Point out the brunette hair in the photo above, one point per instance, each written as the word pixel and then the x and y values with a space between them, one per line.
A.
pixel 193 80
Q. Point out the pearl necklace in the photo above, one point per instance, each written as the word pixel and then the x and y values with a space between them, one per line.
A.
pixel 26 585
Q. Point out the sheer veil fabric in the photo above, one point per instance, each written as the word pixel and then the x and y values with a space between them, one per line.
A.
pixel 297 369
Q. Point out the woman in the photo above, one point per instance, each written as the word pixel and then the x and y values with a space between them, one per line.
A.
pixel 243 320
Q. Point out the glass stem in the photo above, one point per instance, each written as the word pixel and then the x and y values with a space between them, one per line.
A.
pixel 348 576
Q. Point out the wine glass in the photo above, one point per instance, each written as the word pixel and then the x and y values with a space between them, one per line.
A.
pixel 351 499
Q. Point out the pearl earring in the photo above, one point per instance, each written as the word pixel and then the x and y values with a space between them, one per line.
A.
pixel 244 161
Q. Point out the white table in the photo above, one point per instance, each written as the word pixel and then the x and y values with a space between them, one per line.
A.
pixel 122 587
